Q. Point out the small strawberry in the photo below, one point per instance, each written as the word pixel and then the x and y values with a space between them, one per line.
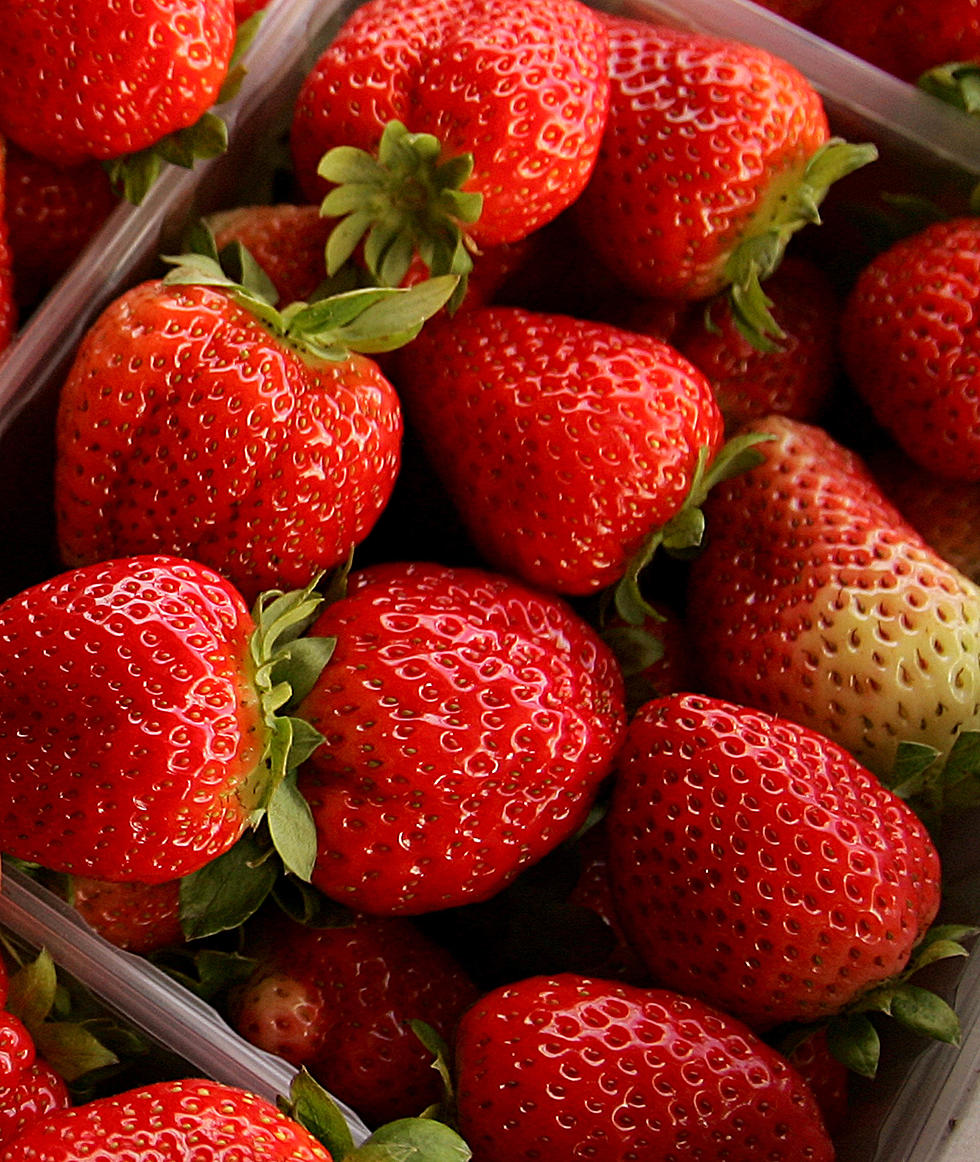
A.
pixel 715 153
pixel 52 212
pixel 565 444
pixel 910 338
pixel 170 1121
pixel 814 599
pixel 339 1000
pixel 199 421
pixel 468 723
pixel 576 1067
pixel 757 865
pixel 82 80
pixel 37 1091
pixel 437 120
pixel 147 738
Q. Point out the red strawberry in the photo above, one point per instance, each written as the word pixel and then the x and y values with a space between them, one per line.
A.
pixel 802 12
pixel 519 89
pixel 795 374
pixel 575 1067
pixel 139 917
pixel 81 79
pixel 198 421
pixel 338 1001
pixel 813 599
pixel 565 444
pixel 910 339
pixel 8 304
pixel 147 737
pixel 17 1051
pixel 170 1121
pixel 758 865
pixel 735 157
pixel 827 1077
pixel 36 1091
pixel 468 724
pixel 52 212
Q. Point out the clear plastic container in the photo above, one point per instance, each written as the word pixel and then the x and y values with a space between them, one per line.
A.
pixel 922 1108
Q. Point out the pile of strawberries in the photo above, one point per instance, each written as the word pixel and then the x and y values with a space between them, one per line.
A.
pixel 493 630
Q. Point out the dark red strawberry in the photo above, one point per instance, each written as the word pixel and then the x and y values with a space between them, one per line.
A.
pixel 576 1067
pixel 8 302
pixel 468 722
pixel 140 918
pixel 715 154
pixel 338 1000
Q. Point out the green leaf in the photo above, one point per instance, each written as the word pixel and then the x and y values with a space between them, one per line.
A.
pixel 636 648
pixel 437 1046
pixel 244 36
pixel 31 990
pixel 414 1140
pixel 133 176
pixel 292 829
pixel 311 1105
pixel 853 1040
pixel 71 1049
pixel 223 894
pixel 924 1012
pixel 912 761
pixel 956 83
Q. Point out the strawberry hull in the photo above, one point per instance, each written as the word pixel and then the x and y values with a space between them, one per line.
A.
pixel 925 149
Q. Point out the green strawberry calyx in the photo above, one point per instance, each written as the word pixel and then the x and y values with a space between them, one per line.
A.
pixel 406 200
pixel 851 1034
pixel 368 320
pixel 957 83
pixel 937 786
pixel 787 210
pixel 683 534
pixel 133 174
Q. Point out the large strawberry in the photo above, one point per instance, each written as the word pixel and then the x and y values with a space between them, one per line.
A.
pixel 756 864
pixel 146 739
pixel 485 118
pixel 715 154
pixel 565 444
pixel 815 600
pixel 199 421
pixel 468 723
pixel 910 339
pixel 80 79
pixel 575 1067
pixel 338 1000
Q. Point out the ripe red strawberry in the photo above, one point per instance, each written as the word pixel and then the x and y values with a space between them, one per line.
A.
pixel 8 303
pixel 758 865
pixel 52 212
pixel 910 338
pixel 81 79
pixel 147 737
pixel 36 1091
pixel 170 1121
pixel 141 918
pixel 198 421
pixel 795 374
pixel 468 722
pixel 338 1001
pixel 565 444
pixel 735 158
pixel 575 1067
pixel 828 1078
pixel 515 92
pixel 813 599
pixel 17 1051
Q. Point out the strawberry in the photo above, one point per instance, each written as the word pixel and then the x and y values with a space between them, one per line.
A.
pixel 736 157
pixel 813 599
pixel 576 1067
pixel 52 212
pixel 338 1000
pixel 909 341
pixel 148 738
pixel 828 1078
pixel 468 722
pixel 757 865
pixel 80 80
pixel 141 918
pixel 199 421
pixel 443 120
pixel 565 444
pixel 8 299
pixel 35 1092
pixel 796 374
pixel 170 1121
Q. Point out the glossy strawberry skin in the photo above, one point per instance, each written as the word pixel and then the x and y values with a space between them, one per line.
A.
pixel 575 1067
pixel 814 600
pixel 468 721
pixel 725 129
pixel 563 443
pixel 758 865
pixel 110 80
pixel 532 118
pixel 36 1091
pixel 128 753
pixel 186 427
pixel 170 1121
pixel 338 1000
pixel 910 340
pixel 140 918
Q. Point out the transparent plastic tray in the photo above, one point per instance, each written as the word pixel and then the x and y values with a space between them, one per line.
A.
pixel 922 1108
